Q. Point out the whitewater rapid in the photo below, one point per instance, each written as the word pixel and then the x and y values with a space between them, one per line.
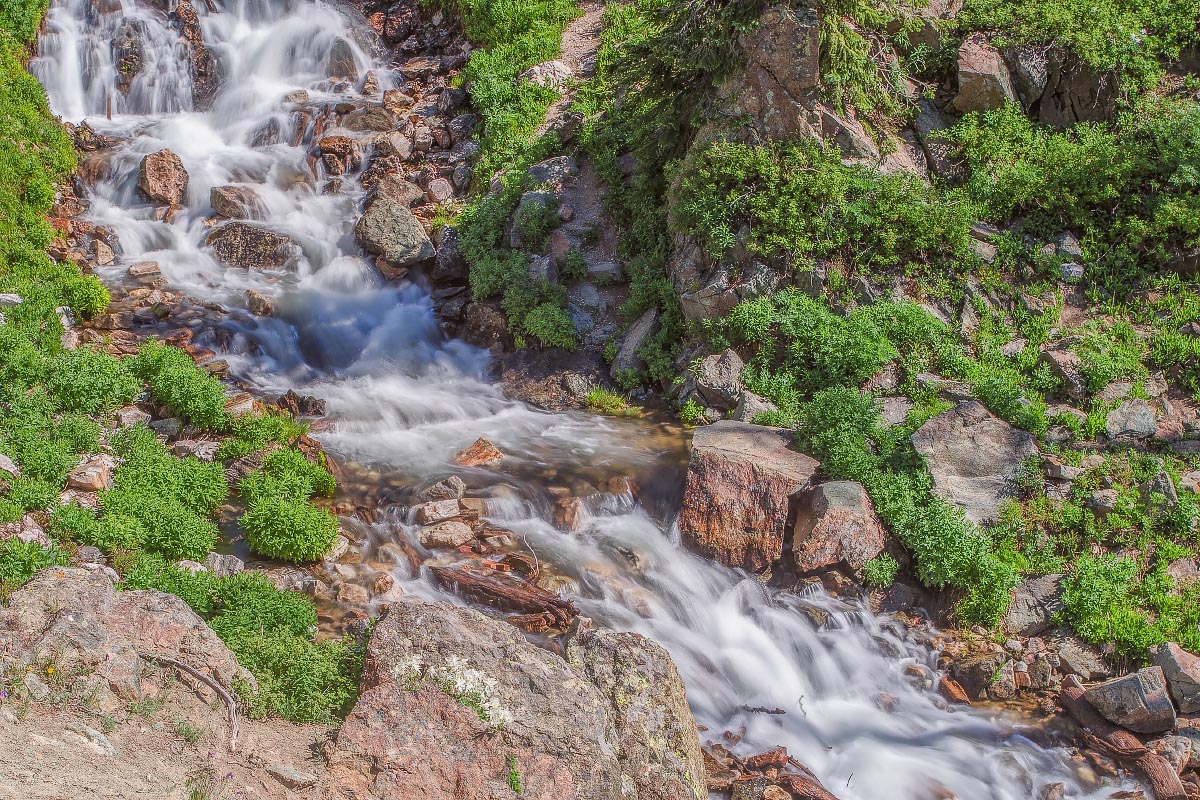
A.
pixel 402 399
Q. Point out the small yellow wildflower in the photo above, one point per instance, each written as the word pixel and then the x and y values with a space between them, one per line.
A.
pixel 49 670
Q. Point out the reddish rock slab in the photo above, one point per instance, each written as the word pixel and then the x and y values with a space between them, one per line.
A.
pixel 162 178
pixel 479 454
pixel 739 486
pixel 836 524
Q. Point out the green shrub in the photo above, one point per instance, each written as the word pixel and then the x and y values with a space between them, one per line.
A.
pixel 298 679
pixel 19 561
pixel 800 201
pixel 90 381
pixel 551 326
pixel 247 602
pixel 691 412
pixel 287 474
pixel 289 529
pixel 146 571
pixel 184 388
pixel 880 571
pixel 254 432
pixel 1110 352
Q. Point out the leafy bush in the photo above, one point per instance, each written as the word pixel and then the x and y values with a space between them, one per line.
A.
pixel 90 381
pixel 147 571
pixel 298 679
pixel 289 529
pixel 551 326
pixel 254 432
pixel 184 388
pixel 799 200
pixel 19 561
pixel 880 571
pixel 287 474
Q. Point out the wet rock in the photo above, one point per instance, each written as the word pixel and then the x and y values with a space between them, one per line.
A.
pixel 450 266
pixel 240 244
pixel 984 82
pixel 162 178
pixel 388 229
pixel 1034 604
pixel 421 67
pixel 1181 670
pixel 407 737
pixel 973 457
pixel 446 534
pixel 1138 701
pixel 451 488
pixel 485 325
pixel 975 672
pixel 740 481
pixel 340 154
pixel 395 144
pixel 719 379
pixel 479 454
pixel 658 749
pixel 628 359
pixel 396 187
pixel 1004 683
pixel 836 525
pixel 259 304
pixel 237 202
pixel 341 61
pixel 1133 419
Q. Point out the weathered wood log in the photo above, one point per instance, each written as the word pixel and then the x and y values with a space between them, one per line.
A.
pixel 507 594
pixel 804 787
pixel 1120 744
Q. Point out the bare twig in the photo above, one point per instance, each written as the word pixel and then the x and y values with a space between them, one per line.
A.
pixel 230 703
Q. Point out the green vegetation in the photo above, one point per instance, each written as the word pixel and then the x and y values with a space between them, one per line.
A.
pixel 514 775
pixel 880 571
pixel 611 404
pixel 509 37
pixel 1132 38
pixel 280 522
pixel 55 407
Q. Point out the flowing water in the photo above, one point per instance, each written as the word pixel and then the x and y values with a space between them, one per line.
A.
pixel 402 399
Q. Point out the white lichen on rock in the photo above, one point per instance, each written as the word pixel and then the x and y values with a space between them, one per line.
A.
pixel 458 679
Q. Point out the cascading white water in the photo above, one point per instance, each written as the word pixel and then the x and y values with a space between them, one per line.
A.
pixel 403 400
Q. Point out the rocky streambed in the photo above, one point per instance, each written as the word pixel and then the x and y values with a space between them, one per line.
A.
pixel 259 186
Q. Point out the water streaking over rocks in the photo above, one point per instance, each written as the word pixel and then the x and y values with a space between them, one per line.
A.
pixel 402 400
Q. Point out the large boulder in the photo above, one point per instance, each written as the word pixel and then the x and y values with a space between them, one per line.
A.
pixel 105 638
pixel 1034 605
pixel 451 702
pixel 1182 672
pixel 162 178
pixel 390 230
pixel 1133 419
pixel 786 44
pixel 658 749
pixel 1138 701
pixel 836 525
pixel 740 482
pixel 984 82
pixel 973 457
pixel 239 244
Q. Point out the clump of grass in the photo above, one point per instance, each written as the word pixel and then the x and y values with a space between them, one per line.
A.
pixel 610 404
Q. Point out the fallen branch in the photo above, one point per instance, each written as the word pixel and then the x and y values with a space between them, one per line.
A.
pixel 230 703
pixel 1120 744
pixel 507 595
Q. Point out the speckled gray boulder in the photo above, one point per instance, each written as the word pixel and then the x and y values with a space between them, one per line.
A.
pixel 655 732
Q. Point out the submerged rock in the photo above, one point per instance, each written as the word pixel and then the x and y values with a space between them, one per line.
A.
pixel 239 244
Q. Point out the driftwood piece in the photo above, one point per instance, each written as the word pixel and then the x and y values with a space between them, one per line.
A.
pixel 230 703
pixel 507 595
pixel 803 787
pixel 1120 744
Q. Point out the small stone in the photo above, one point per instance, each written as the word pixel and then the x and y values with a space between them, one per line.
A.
pixel 482 452
pixel 1071 271
pixel 438 511
pixel 131 415
pixel 9 467
pixel 450 488
pixel 259 304
pixel 222 565
pixel 93 475
pixel 1133 419
pixel 194 567
pixel 291 777
pixel 447 535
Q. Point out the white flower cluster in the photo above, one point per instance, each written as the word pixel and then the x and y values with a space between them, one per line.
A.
pixel 457 678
